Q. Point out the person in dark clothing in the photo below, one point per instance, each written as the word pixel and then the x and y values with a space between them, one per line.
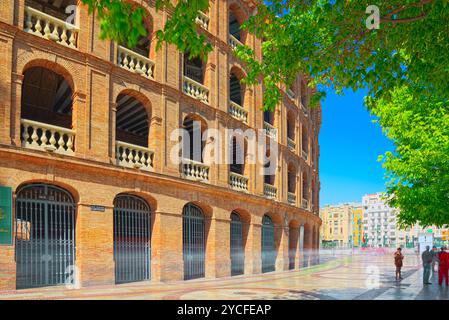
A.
pixel 398 259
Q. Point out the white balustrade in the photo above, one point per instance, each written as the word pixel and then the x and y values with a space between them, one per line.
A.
pixel 304 155
pixel 238 112
pixel 270 130
pixel 305 204
pixel 202 20
pixel 234 42
pixel 195 89
pixel 46 137
pixel 132 156
pixel 194 170
pixel 291 198
pixel 48 27
pixel 134 62
pixel 238 182
pixel 291 144
pixel 270 191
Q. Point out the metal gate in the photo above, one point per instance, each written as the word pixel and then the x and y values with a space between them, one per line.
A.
pixel 45 236
pixel 292 243
pixel 193 242
pixel 237 254
pixel 132 239
pixel 268 249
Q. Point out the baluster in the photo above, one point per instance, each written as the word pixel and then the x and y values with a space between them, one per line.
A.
pixel 70 143
pixel 123 156
pixel 25 135
pixel 55 34
pixel 72 39
pixel 38 27
pixel 34 137
pixel 64 36
pixel 137 158
pixel 47 31
pixel 52 139
pixel 44 138
pixel 130 156
pixel 61 142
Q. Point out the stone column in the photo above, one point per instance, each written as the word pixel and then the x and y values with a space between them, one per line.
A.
pixel 15 112
pixel 301 245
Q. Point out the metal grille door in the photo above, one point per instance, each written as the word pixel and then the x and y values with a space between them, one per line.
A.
pixel 45 236
pixel 292 243
pixel 268 250
pixel 132 239
pixel 237 254
pixel 193 242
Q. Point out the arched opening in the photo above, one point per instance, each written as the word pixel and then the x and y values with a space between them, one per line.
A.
pixel 236 18
pixel 238 153
pixel 305 190
pixel 269 170
pixel 268 245
pixel 132 239
pixel 131 133
pixel 236 90
pixel 193 144
pixel 45 236
pixel 132 125
pixel 194 68
pixel 291 126
pixel 307 252
pixel 237 245
pixel 305 142
pixel 194 242
pixel 303 94
pixel 234 26
pixel 47 111
pixel 268 117
pixel 291 184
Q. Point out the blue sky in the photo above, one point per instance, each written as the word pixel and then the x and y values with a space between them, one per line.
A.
pixel 350 144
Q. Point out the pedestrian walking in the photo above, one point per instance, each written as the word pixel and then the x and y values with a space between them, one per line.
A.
pixel 434 260
pixel 443 267
pixel 398 257
pixel 427 258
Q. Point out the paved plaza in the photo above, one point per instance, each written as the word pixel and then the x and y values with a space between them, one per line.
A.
pixel 341 275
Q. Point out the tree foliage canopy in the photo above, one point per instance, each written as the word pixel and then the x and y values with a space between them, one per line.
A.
pixel 404 64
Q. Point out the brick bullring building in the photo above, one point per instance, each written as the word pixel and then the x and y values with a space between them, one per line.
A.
pixel 89 194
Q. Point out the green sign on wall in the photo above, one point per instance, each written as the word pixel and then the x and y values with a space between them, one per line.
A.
pixel 5 215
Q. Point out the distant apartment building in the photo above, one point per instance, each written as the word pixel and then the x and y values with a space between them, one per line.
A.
pixel 337 229
pixel 357 223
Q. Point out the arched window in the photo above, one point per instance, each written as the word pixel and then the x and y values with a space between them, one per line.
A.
pixel 194 68
pixel 234 26
pixel 291 126
pixel 46 111
pixel 193 144
pixel 235 88
pixel 291 179
pixel 194 242
pixel 132 125
pixel 305 189
pixel 60 9
pixel 305 141
pixel 303 94
pixel 237 156
pixel 132 239
pixel 268 117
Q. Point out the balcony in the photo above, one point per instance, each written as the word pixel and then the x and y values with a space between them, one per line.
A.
pixel 51 28
pixel 304 155
pixel 291 94
pixel 238 182
pixel 195 89
pixel 134 62
pixel 202 20
pixel 305 204
pixel 270 130
pixel 234 42
pixel 46 137
pixel 270 191
pixel 194 170
pixel 132 156
pixel 291 144
pixel 291 198
pixel 238 112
